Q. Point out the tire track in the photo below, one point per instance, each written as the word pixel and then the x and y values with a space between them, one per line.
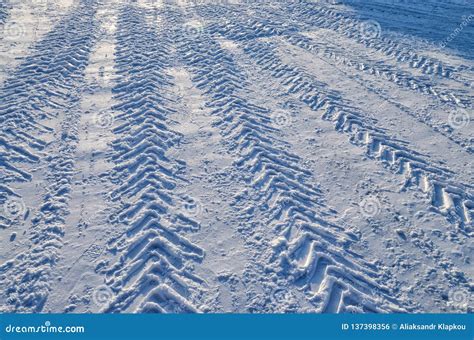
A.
pixel 305 250
pixel 323 17
pixel 266 25
pixel 400 78
pixel 432 24
pixel 453 200
pixel 87 227
pixel 44 86
pixel 296 82
pixel 154 271
pixel 36 90
pixel 299 17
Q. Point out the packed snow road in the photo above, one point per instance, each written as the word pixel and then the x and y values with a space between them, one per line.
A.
pixel 236 156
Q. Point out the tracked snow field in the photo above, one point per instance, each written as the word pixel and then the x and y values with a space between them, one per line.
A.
pixel 236 156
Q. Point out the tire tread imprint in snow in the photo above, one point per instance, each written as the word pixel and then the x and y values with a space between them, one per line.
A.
pixel 45 84
pixel 154 270
pixel 390 73
pixel 240 28
pixel 448 197
pixel 330 18
pixel 313 253
pixel 452 199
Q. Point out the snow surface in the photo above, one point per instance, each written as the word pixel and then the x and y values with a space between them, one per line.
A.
pixel 236 156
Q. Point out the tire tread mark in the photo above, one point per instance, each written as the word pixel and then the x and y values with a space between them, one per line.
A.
pixel 35 88
pixel 418 170
pixel 295 208
pixel 321 16
pixel 153 271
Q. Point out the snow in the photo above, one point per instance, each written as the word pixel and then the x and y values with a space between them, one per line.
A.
pixel 236 156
